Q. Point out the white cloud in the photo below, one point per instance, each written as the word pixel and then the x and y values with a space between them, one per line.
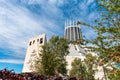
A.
pixel 90 2
pixel 57 2
pixel 18 25
pixel 37 2
pixel 45 2
pixel 92 16
pixel 13 61
pixel 91 34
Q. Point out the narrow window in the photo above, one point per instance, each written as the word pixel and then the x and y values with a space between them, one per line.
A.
pixel 37 40
pixel 30 43
pixel 33 41
pixel 41 40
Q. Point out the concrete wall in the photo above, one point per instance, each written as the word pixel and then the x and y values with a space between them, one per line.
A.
pixel 34 47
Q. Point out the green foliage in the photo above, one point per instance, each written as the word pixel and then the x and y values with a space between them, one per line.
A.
pixel 85 69
pixel 52 57
pixel 77 68
pixel 107 42
pixel 108 29
pixel 114 74
pixel 91 65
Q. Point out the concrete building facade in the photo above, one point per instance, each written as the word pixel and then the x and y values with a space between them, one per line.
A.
pixel 33 50
pixel 72 31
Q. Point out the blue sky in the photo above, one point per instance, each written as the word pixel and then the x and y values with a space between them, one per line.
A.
pixel 22 19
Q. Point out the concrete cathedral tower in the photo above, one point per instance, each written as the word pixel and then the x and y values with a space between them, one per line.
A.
pixel 73 33
pixel 33 49
pixel 72 30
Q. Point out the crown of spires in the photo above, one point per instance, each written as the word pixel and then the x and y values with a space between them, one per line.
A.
pixel 72 30
pixel 71 23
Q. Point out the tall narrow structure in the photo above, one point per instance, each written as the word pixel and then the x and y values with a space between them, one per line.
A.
pixel 72 31
pixel 33 49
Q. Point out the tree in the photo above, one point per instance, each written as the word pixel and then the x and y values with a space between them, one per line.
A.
pixel 108 28
pixel 91 66
pixel 114 74
pixel 109 32
pixel 85 69
pixel 77 68
pixel 107 42
pixel 51 58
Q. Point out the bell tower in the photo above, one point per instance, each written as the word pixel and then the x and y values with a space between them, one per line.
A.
pixel 34 47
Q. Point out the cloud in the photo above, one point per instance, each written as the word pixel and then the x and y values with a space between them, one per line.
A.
pixel 18 25
pixel 89 2
pixel 14 61
pixel 21 20
pixel 45 2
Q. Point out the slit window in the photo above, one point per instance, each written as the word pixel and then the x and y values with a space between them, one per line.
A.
pixel 30 43
pixel 33 41
pixel 41 40
pixel 37 40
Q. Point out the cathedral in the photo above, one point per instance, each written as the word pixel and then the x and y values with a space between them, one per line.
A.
pixel 72 33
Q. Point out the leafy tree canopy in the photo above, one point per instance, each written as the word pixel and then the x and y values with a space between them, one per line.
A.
pixel 51 58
